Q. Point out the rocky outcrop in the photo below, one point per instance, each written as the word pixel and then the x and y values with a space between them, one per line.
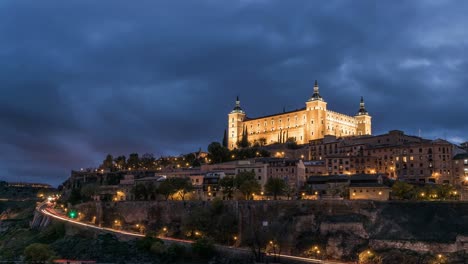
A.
pixel 341 228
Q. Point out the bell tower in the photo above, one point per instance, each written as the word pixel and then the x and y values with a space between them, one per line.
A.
pixel 364 126
pixel 316 116
pixel 235 125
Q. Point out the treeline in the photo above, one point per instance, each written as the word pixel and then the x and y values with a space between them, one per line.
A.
pixel 406 191
pixel 217 153
pixel 174 188
pixel 148 162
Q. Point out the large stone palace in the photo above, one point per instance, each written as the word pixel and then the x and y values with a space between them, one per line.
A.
pixel 314 121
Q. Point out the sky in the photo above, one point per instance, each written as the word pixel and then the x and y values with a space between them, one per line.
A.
pixel 81 79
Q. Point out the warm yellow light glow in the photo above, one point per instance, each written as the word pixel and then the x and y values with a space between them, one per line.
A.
pixel 261 193
pixel 380 193
pixel 235 238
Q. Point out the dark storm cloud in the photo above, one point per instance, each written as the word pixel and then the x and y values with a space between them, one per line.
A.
pixel 80 79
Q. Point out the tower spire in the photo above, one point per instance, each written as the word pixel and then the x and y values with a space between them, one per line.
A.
pixel 362 108
pixel 237 108
pixel 316 95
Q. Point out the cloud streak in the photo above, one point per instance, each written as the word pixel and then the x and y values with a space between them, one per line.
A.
pixel 83 79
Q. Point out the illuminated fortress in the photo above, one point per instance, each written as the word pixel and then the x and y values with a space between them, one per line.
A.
pixel 314 121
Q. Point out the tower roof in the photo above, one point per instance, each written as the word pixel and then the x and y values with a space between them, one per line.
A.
pixel 362 108
pixel 237 108
pixel 316 96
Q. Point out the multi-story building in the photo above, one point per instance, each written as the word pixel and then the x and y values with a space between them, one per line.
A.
pixel 395 154
pixel 314 121
pixel 460 163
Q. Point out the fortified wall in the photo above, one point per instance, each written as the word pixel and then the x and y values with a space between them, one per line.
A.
pixel 341 228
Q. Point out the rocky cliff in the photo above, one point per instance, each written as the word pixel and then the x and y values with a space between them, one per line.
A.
pixel 341 229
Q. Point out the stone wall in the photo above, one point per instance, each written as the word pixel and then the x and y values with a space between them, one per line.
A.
pixel 341 228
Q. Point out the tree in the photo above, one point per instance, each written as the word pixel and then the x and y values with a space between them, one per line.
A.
pixel 289 191
pixel 108 163
pixel 262 141
pixel 147 161
pixel 246 183
pixel 133 161
pixel 204 248
pixel 225 141
pixel 181 185
pixel 38 253
pixel 167 189
pixel 142 192
pixel 120 162
pixel 88 191
pixel 244 142
pixel 227 186
pixel 402 190
pixel 275 187
pixel 217 153
pixel 291 143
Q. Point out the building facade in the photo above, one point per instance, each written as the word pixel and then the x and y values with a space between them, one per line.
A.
pixel 314 121
pixel 394 154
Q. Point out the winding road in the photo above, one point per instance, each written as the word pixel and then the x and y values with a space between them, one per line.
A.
pixel 44 209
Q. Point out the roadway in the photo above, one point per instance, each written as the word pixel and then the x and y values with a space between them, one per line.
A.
pixel 52 213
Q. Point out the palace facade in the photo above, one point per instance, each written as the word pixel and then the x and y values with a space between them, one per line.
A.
pixel 314 121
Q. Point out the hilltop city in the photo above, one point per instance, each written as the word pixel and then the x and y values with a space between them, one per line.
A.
pixel 303 186
pixel 310 153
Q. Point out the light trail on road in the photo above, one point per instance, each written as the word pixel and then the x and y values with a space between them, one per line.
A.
pixel 47 211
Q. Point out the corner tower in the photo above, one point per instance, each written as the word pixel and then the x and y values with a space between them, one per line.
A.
pixel 235 125
pixel 364 123
pixel 315 117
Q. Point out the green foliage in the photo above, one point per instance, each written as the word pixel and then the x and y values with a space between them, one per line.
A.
pixel 52 233
pixel 244 142
pixel 369 257
pixel 182 186
pixel 246 183
pixel 88 191
pixel 108 163
pixel 275 187
pixel 291 143
pixel 171 186
pixel 143 192
pixel 215 221
pixel 158 248
pixel 121 162
pixel 75 196
pixel 175 252
pixel 204 248
pixel 38 253
pixel 227 186
pixel 133 161
pixel 217 153
pixel 405 191
pixel 147 242
pixel 402 190
pixel 225 141
pixel 147 161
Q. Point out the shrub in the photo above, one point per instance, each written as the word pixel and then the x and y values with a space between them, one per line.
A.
pixel 204 248
pixel 158 248
pixel 38 253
